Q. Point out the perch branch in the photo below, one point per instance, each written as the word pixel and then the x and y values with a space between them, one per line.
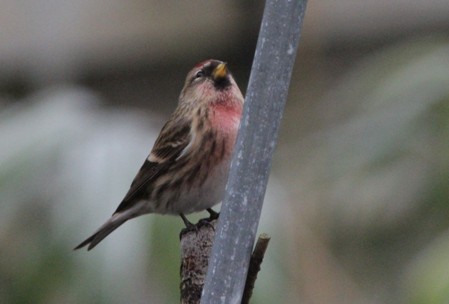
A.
pixel 196 244
pixel 254 266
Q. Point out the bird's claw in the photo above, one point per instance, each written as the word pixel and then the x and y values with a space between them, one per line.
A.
pixel 213 215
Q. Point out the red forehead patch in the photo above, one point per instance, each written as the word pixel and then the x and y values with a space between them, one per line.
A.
pixel 203 63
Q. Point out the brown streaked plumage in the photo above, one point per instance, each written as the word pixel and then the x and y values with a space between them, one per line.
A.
pixel 187 168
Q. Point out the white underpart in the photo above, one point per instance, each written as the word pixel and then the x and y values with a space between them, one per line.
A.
pixel 194 200
pixel 206 196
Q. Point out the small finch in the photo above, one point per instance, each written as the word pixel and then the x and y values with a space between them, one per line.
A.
pixel 188 166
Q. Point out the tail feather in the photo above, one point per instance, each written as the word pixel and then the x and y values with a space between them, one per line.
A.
pixel 113 223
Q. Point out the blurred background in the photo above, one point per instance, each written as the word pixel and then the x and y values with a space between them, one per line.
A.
pixel 358 199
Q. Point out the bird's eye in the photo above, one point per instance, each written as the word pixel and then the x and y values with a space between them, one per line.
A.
pixel 199 74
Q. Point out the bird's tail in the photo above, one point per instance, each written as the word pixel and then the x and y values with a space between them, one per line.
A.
pixel 113 223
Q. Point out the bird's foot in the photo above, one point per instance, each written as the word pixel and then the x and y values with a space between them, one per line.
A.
pixel 213 215
pixel 207 222
pixel 189 226
pixel 201 223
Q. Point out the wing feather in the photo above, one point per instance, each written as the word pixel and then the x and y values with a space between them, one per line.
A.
pixel 175 136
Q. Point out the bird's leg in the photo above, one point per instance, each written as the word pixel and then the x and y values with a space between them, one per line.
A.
pixel 188 224
pixel 212 214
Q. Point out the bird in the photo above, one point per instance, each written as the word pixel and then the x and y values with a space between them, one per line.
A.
pixel 187 168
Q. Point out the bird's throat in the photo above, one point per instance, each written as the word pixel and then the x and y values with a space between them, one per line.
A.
pixel 226 116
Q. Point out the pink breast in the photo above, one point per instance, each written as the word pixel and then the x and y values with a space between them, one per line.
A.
pixel 226 117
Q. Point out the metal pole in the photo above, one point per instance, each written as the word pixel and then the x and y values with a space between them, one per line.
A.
pixel 264 105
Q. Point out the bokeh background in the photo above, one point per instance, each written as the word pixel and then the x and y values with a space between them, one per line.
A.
pixel 358 199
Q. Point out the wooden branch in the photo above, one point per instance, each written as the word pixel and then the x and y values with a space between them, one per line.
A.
pixel 196 244
pixel 254 266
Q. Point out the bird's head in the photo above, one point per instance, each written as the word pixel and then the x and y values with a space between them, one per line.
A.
pixel 210 82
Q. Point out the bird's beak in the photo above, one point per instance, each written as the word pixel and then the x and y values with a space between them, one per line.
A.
pixel 220 72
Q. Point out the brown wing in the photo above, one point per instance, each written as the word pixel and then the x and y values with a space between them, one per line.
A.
pixel 173 139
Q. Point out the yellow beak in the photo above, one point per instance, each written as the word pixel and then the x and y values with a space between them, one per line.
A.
pixel 220 71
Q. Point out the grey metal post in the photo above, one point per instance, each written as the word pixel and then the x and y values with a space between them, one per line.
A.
pixel 264 105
